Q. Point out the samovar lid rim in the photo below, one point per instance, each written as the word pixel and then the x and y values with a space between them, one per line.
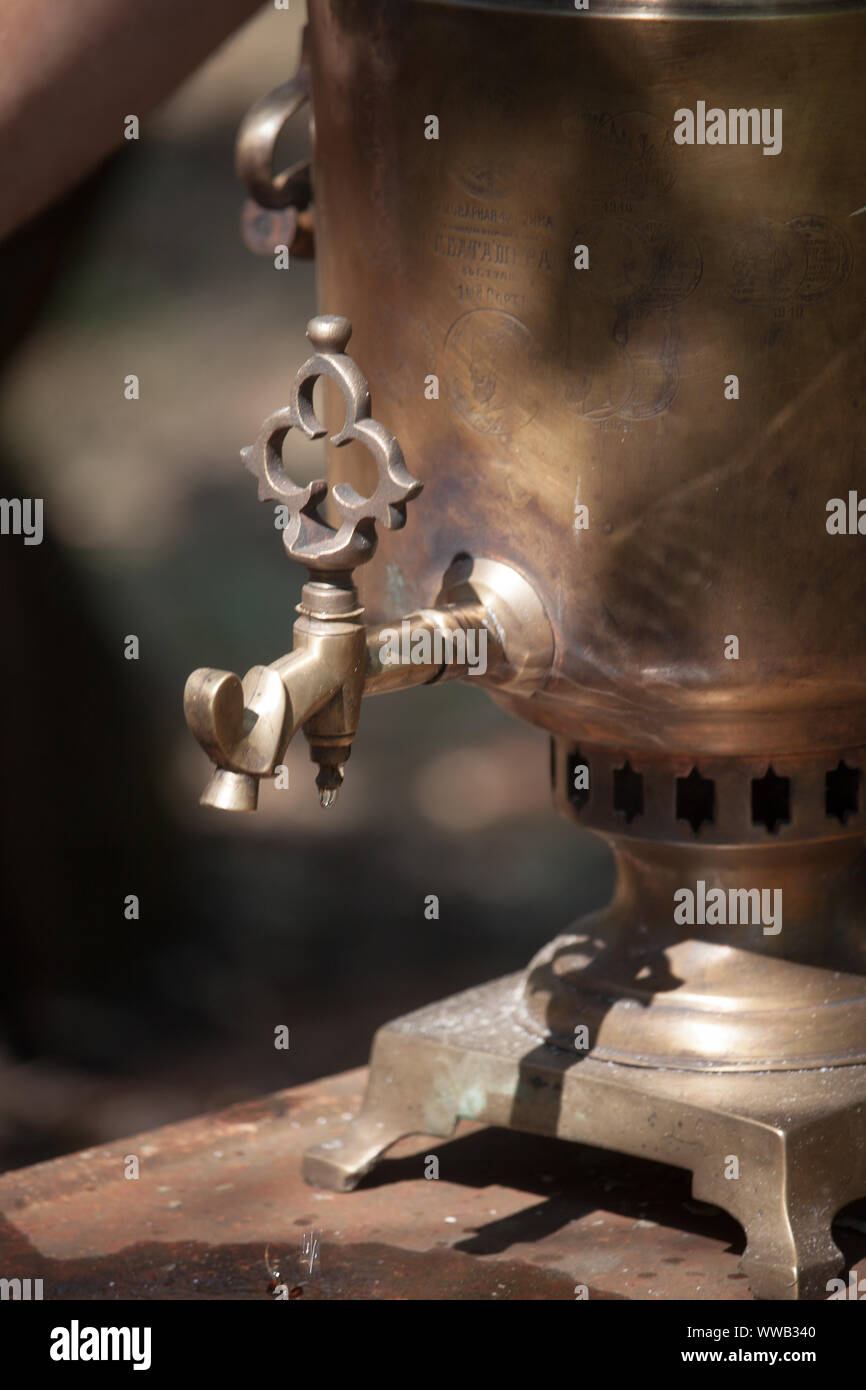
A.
pixel 668 9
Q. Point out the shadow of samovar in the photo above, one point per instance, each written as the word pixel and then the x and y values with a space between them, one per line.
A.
pixel 604 270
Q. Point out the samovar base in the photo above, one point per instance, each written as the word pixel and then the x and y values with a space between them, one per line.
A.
pixel 781 1151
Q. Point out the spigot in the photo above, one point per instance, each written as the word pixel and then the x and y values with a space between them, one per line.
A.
pixel 245 726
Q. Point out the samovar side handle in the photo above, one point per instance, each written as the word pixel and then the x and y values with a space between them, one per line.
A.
pixel 288 191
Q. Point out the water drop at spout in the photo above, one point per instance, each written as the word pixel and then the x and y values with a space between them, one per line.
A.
pixel 328 796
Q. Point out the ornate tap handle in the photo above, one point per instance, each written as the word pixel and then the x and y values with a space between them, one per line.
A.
pixel 307 537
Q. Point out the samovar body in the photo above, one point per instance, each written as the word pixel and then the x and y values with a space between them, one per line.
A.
pixel 606 275
pixel 604 388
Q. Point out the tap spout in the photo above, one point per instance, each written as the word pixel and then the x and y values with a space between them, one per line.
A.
pixel 246 726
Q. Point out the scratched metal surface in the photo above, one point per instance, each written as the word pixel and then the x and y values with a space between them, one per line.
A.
pixel 511 1216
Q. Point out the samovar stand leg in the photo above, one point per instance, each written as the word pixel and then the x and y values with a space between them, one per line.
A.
pixel 782 1153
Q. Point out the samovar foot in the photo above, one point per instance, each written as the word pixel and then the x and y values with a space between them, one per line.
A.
pixel 801 1172
pixel 781 1152
pixel 790 1254
pixel 392 1109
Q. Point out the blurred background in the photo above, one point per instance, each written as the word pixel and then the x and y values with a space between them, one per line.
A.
pixel 294 916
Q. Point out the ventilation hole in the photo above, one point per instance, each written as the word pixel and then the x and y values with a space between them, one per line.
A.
pixel 842 792
pixel 696 799
pixel 578 780
pixel 628 792
pixel 771 801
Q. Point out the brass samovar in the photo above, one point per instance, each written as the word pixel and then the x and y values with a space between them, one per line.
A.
pixel 625 357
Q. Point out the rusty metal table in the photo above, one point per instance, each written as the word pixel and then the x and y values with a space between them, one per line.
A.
pixel 510 1216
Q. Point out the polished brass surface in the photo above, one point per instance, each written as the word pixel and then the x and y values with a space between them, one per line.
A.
pixel 605 388
pixel 515 618
pixel 717 998
pixel 598 505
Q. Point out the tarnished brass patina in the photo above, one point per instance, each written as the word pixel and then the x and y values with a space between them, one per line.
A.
pixel 591 474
